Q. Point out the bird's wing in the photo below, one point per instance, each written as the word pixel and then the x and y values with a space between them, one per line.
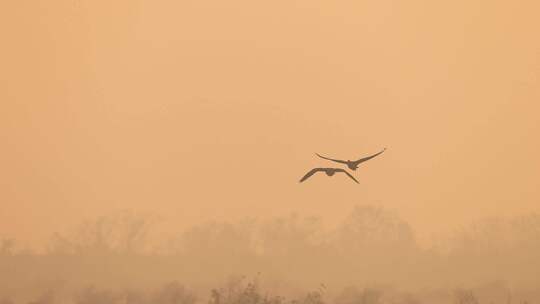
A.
pixel 342 170
pixel 310 173
pixel 361 160
pixel 336 160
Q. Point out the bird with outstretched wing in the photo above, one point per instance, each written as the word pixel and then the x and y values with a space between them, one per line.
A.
pixel 328 171
pixel 353 165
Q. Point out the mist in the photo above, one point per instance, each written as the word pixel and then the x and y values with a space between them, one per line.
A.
pixel 372 252
pixel 151 151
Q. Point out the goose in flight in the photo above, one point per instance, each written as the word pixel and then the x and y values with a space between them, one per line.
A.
pixel 328 171
pixel 352 164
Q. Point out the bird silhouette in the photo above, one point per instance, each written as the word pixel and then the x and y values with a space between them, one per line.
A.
pixel 328 171
pixel 353 165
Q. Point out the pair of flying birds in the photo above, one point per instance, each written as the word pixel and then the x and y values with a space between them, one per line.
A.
pixel 352 164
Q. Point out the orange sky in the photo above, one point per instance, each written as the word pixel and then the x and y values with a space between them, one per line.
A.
pixel 194 110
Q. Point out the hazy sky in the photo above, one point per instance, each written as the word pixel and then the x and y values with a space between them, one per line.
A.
pixel 198 109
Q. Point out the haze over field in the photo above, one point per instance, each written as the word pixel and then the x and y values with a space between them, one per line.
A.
pixel 185 112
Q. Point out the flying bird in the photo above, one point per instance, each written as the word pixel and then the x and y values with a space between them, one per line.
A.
pixel 328 171
pixel 353 165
